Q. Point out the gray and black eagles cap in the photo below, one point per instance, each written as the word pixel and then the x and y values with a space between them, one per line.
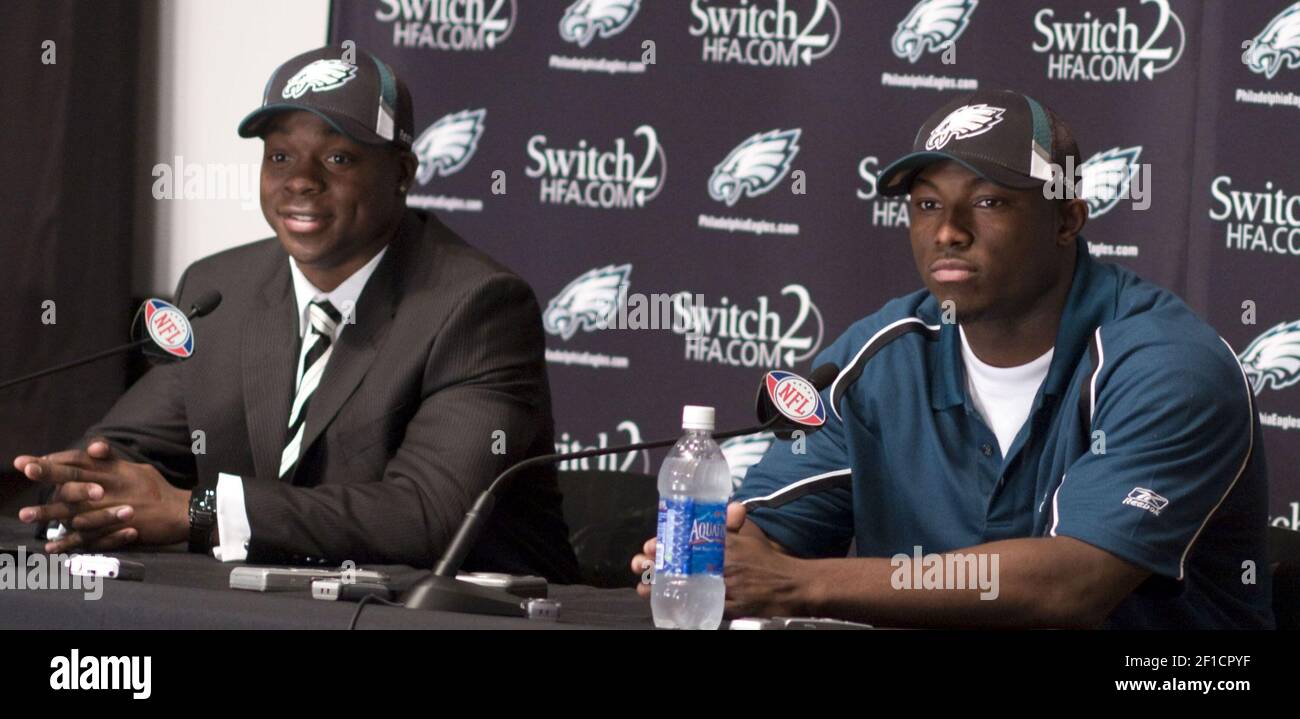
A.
pixel 1003 136
pixel 365 101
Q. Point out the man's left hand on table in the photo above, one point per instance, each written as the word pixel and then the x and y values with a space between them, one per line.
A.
pixel 105 501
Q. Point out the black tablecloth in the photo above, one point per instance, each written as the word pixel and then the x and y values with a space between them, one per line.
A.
pixel 187 591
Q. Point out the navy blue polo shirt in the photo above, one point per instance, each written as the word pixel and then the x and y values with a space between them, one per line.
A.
pixel 1143 440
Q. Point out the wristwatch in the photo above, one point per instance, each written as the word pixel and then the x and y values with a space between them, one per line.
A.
pixel 203 519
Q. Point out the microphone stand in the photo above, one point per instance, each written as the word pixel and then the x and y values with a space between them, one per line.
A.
pixel 77 363
pixel 196 310
pixel 442 591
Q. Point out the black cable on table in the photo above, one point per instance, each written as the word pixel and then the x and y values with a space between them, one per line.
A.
pixel 362 605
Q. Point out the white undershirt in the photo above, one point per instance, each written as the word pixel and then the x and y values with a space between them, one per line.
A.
pixel 1003 395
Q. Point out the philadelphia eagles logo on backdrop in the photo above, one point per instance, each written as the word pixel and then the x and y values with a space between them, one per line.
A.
pixel 930 26
pixel 1105 178
pixel 744 452
pixel 754 166
pixel 586 19
pixel 1277 44
pixel 319 76
pixel 447 145
pixel 966 121
pixel 587 302
pixel 1273 359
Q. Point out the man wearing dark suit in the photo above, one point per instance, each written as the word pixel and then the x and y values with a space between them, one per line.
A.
pixel 366 376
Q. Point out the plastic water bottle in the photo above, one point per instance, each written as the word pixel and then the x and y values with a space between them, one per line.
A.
pixel 694 486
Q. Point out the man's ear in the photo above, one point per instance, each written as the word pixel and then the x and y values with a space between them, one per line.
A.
pixel 406 166
pixel 1072 215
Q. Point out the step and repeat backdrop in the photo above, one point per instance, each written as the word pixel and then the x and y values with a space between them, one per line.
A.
pixel 717 160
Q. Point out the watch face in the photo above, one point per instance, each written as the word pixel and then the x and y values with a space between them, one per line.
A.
pixel 203 520
pixel 203 507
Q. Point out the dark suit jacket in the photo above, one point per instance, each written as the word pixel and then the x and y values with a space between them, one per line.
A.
pixel 442 369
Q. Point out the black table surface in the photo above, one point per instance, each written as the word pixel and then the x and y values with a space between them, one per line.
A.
pixel 181 590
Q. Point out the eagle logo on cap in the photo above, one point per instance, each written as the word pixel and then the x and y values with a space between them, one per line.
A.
pixel 586 19
pixel 1277 44
pixel 1273 358
pixel 586 303
pixel 448 144
pixel 319 76
pixel 931 25
pixel 754 166
pixel 966 121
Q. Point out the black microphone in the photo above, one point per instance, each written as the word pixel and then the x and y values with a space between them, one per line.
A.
pixel 786 403
pixel 206 302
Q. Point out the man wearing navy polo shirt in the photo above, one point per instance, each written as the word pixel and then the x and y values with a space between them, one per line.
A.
pixel 1034 415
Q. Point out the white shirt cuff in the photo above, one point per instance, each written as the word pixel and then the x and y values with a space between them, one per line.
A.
pixel 232 520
